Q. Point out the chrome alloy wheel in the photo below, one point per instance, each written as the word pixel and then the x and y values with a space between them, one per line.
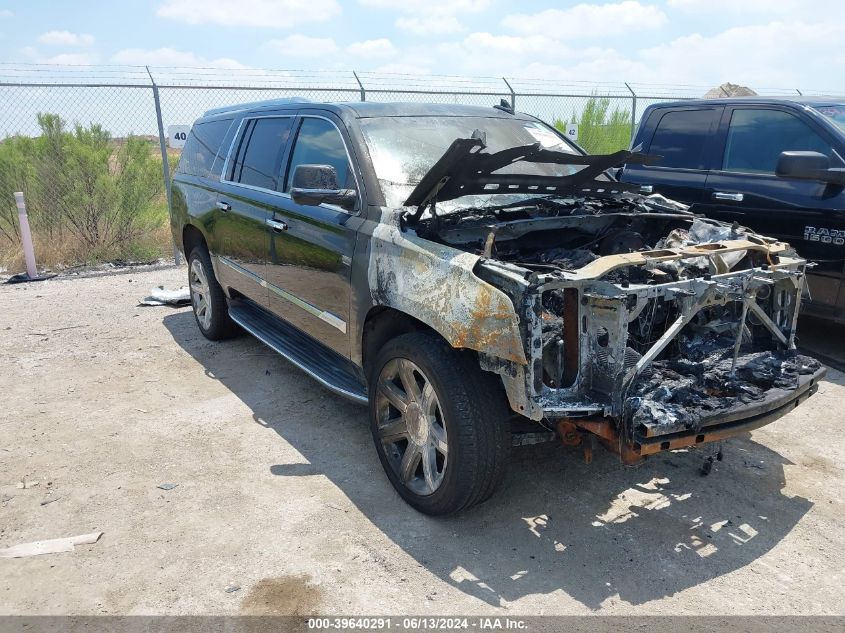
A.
pixel 411 426
pixel 200 298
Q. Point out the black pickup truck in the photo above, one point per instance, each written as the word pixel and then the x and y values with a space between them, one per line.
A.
pixel 774 165
pixel 468 271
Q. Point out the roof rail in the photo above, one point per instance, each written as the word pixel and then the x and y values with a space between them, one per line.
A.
pixel 255 104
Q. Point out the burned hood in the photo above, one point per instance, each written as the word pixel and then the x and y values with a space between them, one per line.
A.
pixel 466 169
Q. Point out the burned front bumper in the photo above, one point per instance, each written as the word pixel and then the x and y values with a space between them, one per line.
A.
pixel 727 422
pixel 596 351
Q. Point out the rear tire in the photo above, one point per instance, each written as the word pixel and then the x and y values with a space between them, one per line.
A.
pixel 439 423
pixel 208 300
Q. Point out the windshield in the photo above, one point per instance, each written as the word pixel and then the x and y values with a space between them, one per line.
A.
pixel 836 113
pixel 403 149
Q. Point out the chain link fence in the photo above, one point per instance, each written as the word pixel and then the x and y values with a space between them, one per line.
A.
pixel 89 150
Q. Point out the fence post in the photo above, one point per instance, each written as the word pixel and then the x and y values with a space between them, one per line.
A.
pixel 165 163
pixel 26 237
pixel 360 85
pixel 513 94
pixel 633 112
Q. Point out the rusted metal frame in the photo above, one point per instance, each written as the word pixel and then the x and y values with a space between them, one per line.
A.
pixel 573 431
pixel 569 402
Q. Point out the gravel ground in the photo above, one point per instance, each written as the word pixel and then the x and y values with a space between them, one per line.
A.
pixel 281 505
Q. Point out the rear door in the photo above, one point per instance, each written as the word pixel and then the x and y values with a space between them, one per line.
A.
pixel 310 251
pixel 685 138
pixel 249 193
pixel 198 174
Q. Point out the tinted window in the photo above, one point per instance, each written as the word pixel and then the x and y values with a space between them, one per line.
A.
pixel 756 139
pixel 319 143
pixel 202 147
pixel 258 161
pixel 680 137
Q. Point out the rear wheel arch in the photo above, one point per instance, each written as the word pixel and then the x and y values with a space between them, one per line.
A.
pixel 192 237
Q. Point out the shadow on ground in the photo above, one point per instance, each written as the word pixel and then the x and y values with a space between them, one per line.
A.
pixel 593 532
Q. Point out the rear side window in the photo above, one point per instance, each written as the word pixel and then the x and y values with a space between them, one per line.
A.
pixel 756 138
pixel 258 162
pixel 320 143
pixel 202 147
pixel 680 138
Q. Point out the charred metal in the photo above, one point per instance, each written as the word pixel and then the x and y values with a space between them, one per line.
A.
pixel 642 325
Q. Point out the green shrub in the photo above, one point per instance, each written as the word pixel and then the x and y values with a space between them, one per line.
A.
pixel 600 131
pixel 82 188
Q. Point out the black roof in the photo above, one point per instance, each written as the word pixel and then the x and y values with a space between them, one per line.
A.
pixel 796 100
pixel 367 109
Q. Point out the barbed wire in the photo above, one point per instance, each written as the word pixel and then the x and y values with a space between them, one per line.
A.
pixel 210 76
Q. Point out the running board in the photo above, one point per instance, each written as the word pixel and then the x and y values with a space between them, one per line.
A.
pixel 327 367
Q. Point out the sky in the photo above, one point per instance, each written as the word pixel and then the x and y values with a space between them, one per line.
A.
pixel 759 43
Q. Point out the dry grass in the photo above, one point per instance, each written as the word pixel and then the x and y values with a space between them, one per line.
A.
pixel 58 254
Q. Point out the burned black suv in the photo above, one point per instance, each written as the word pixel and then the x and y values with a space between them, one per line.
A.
pixel 462 269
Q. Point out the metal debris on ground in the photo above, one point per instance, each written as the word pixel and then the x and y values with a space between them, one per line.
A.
pixel 167 486
pixel 51 546
pixel 161 297
pixel 50 500
pixel 232 588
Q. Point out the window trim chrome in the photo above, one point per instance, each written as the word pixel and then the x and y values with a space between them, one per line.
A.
pixel 324 315
pixel 284 194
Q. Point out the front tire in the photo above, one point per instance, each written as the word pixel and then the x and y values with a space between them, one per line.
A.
pixel 439 423
pixel 208 300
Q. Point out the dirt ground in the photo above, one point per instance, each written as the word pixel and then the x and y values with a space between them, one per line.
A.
pixel 280 504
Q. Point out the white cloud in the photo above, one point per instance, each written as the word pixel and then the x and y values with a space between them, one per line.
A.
pixel 487 54
pixel 401 68
pixel 436 7
pixel 66 38
pixel 588 20
pixel 170 57
pixel 754 55
pixel 429 17
pixel 302 46
pixel 431 25
pixel 371 49
pixel 71 59
pixel 266 13
pixel 5 13
pixel 732 5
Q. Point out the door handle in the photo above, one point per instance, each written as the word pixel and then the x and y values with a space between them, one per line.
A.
pixel 225 206
pixel 276 225
pixel 724 195
pixel 646 189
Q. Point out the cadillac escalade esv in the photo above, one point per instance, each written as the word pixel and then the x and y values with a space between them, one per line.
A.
pixel 460 269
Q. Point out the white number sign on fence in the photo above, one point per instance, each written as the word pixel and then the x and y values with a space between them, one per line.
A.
pixel 176 135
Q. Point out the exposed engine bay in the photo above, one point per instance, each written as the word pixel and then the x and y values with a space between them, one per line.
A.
pixel 666 342
pixel 644 324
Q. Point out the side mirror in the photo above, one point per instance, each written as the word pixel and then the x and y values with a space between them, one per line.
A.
pixel 314 185
pixel 808 166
